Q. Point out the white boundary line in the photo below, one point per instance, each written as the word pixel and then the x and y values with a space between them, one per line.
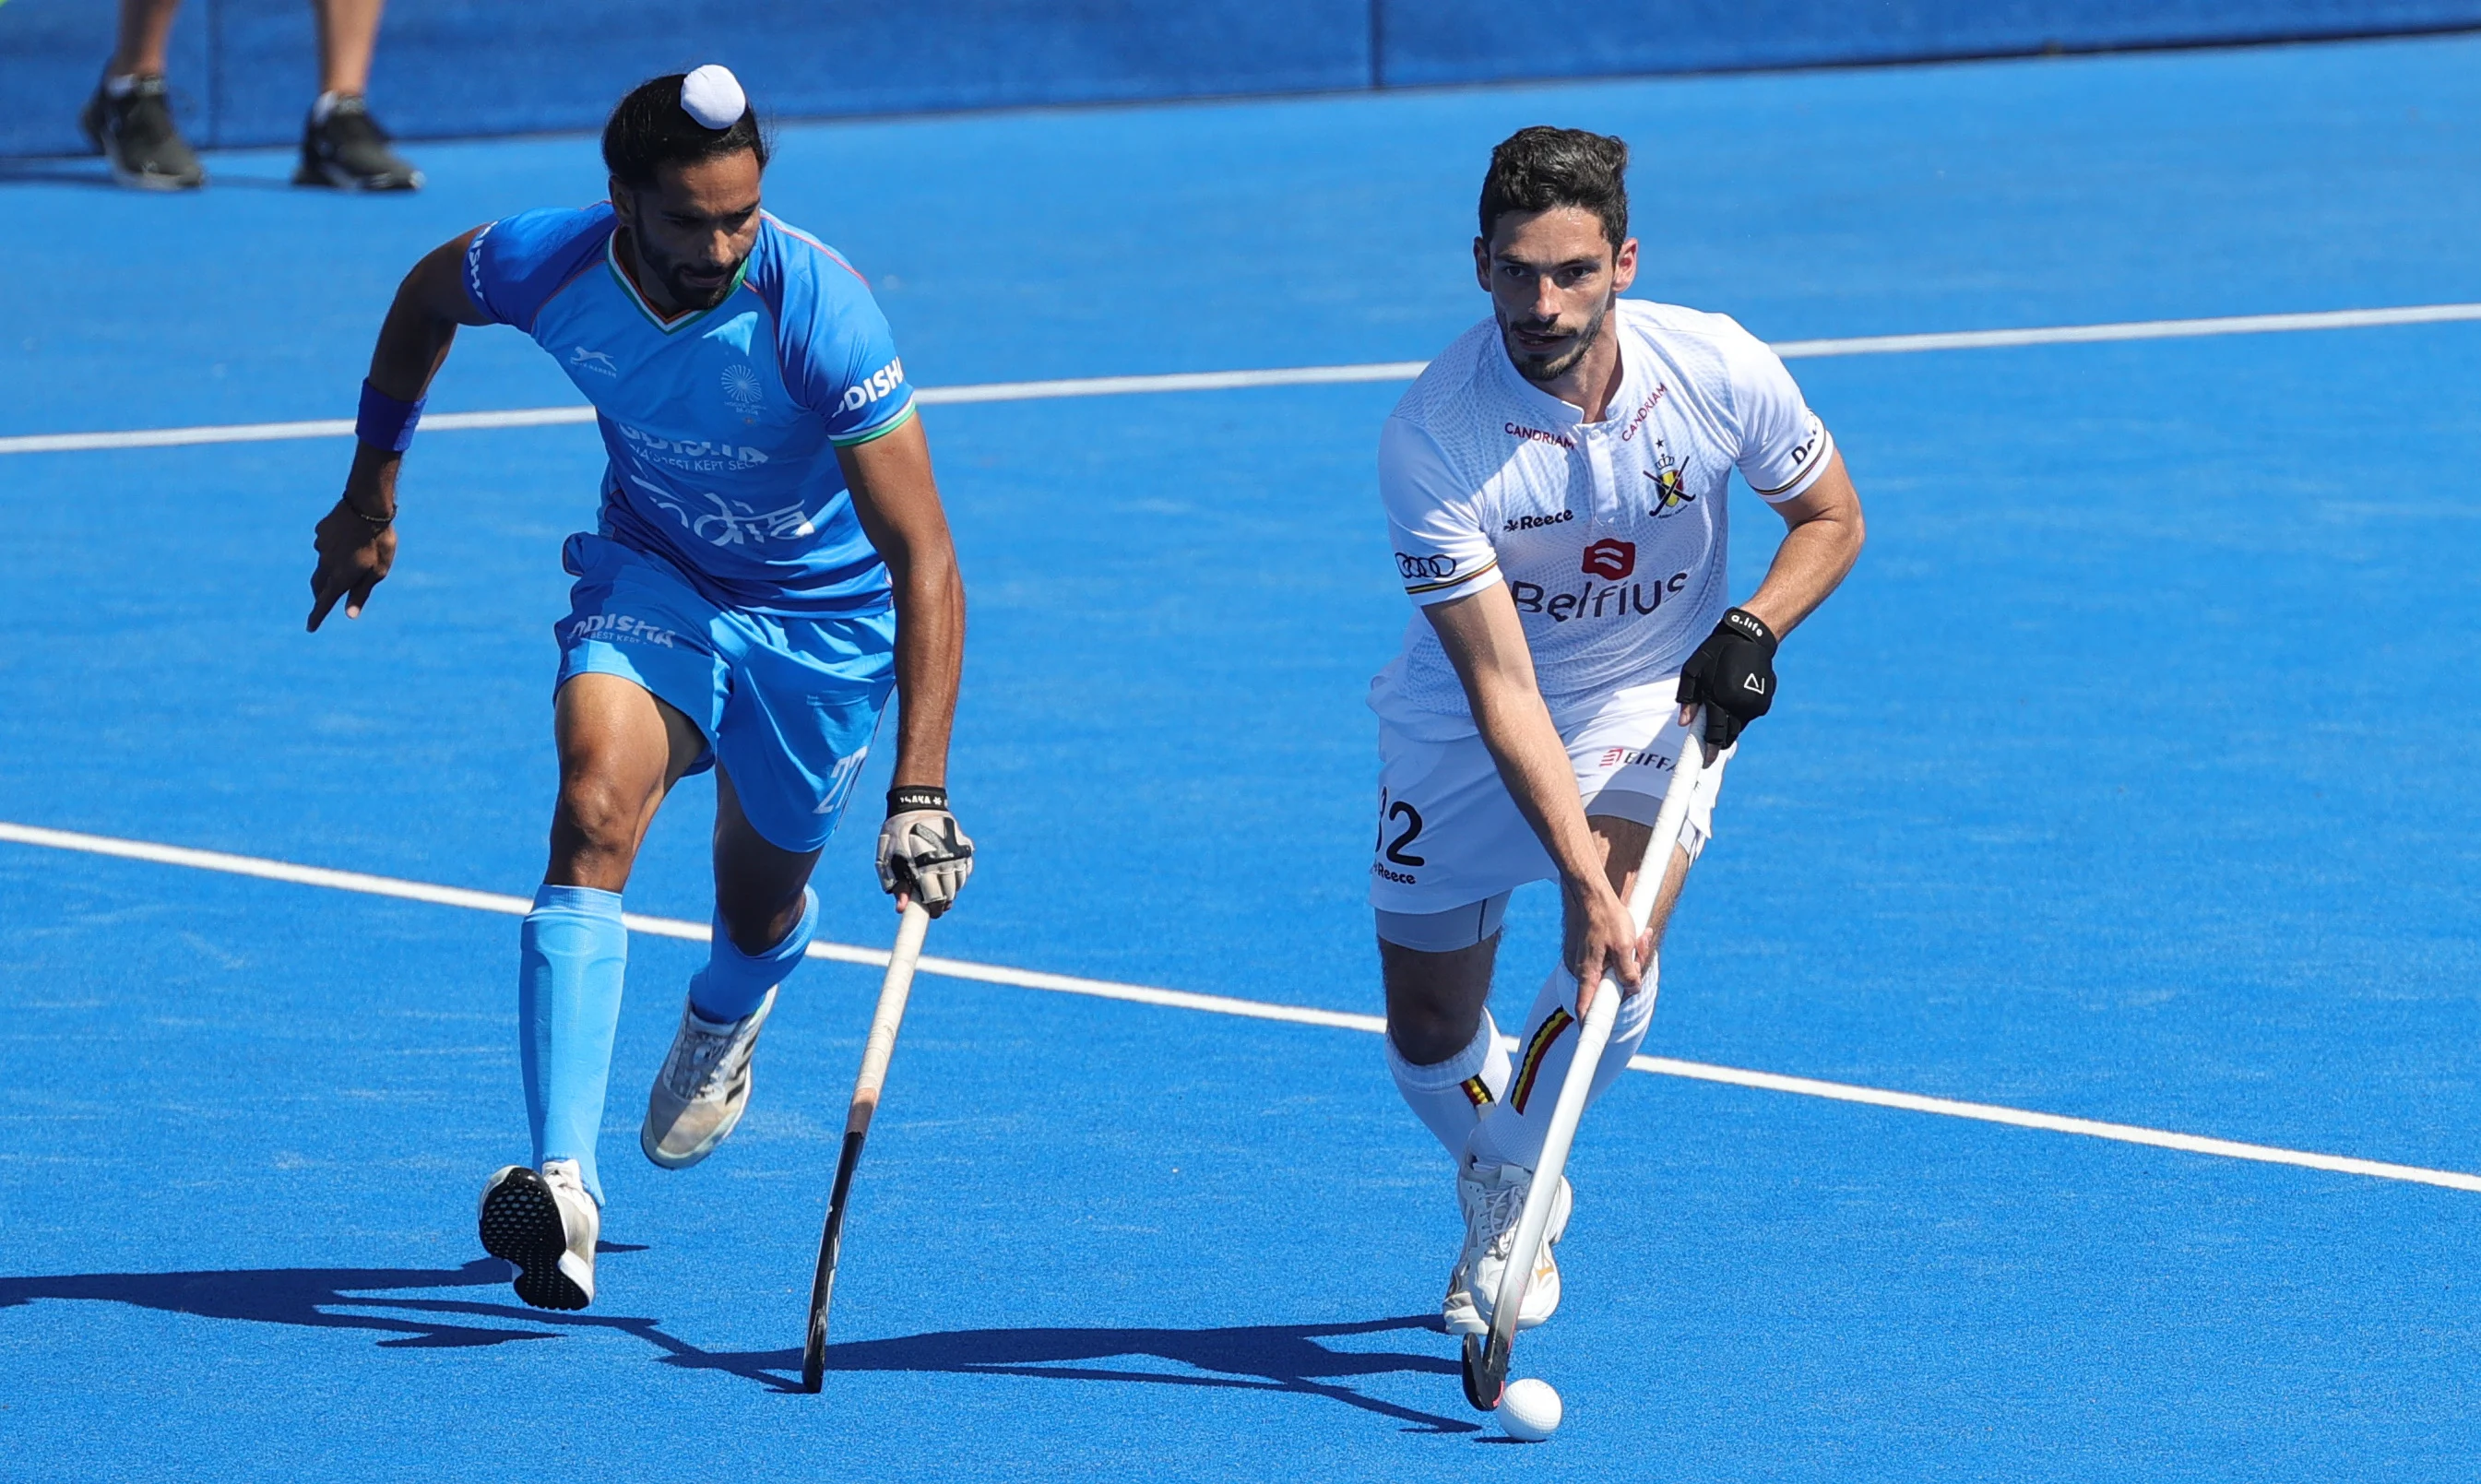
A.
pixel 1224 1005
pixel 1295 376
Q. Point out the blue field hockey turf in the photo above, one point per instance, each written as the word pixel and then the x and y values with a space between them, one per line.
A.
pixel 2128 778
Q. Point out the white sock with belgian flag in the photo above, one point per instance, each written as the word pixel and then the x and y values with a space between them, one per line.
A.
pixel 1512 1130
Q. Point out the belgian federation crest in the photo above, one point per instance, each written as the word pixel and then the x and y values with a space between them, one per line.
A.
pixel 1671 491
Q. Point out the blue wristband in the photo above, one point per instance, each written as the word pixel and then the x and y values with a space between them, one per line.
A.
pixel 385 423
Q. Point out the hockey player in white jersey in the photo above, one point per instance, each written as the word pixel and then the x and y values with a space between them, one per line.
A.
pixel 1555 483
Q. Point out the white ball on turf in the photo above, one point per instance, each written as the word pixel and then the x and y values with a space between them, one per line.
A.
pixel 1528 1410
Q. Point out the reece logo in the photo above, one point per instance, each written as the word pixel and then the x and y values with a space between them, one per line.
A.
pixel 1611 559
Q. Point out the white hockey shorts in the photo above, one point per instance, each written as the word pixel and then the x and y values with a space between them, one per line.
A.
pixel 1451 843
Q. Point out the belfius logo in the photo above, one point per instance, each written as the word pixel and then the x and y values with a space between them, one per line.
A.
pixel 1611 559
pixel 1618 600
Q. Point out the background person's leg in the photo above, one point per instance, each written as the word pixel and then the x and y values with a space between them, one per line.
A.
pixel 145 33
pixel 349 31
pixel 342 145
pixel 129 118
pixel 620 751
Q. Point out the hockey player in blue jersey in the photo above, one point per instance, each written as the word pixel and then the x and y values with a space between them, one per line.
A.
pixel 771 562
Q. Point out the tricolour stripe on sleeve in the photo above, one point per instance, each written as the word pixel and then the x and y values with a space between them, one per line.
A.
pixel 1485 570
pixel 1821 449
pixel 879 431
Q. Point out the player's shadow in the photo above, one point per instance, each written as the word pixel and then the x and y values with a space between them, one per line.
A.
pixel 303 1296
pixel 85 171
pixel 1246 1357
pixel 387 1301
pixel 90 170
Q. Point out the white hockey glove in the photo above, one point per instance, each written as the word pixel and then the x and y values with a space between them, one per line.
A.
pixel 921 852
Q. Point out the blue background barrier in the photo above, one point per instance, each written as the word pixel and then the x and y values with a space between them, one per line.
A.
pixel 1428 41
pixel 244 70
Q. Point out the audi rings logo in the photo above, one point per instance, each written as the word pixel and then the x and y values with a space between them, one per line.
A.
pixel 1432 567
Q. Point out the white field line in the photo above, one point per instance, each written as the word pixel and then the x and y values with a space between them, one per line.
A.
pixel 2130 329
pixel 1294 376
pixel 1224 1005
pixel 2016 1117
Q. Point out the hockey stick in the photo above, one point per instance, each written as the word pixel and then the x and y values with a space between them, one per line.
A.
pixel 882 1045
pixel 1487 1358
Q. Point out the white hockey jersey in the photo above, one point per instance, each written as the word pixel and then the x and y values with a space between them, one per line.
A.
pixel 1609 536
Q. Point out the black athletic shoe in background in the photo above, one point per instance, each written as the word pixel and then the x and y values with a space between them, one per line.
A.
pixel 135 133
pixel 348 151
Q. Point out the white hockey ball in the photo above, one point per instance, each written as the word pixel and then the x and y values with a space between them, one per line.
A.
pixel 1528 1410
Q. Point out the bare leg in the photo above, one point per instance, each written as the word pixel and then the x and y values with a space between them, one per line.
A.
pixel 145 31
pixel 757 886
pixel 620 753
pixel 1623 842
pixel 1434 1001
pixel 349 30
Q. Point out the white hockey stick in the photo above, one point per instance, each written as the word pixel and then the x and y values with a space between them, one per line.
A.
pixel 1486 1358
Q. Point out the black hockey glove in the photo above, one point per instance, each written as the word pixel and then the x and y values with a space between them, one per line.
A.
pixel 921 852
pixel 1732 676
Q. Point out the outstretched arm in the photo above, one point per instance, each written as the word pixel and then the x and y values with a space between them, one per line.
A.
pixel 356 541
pixel 1485 642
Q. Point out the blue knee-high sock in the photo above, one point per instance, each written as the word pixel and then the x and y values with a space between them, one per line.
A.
pixel 570 958
pixel 733 982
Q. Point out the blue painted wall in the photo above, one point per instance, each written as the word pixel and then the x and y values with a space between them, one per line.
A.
pixel 1430 41
pixel 244 70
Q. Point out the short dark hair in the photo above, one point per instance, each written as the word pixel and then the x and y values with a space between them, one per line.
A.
pixel 649 128
pixel 1541 168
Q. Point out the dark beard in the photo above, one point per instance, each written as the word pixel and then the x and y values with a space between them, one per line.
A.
pixel 1540 372
pixel 688 298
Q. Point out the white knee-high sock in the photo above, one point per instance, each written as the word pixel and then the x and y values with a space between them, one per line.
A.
pixel 1449 1095
pixel 1512 1130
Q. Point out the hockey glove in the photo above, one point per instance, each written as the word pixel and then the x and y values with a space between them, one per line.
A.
pixel 1732 676
pixel 921 852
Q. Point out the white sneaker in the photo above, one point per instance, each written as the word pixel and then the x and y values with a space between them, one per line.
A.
pixel 699 1095
pixel 546 1224
pixel 1494 1202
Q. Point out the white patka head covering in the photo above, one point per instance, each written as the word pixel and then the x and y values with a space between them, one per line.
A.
pixel 713 97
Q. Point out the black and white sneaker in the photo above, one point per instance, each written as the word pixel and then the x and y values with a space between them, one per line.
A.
pixel 129 122
pixel 546 1224
pixel 348 151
